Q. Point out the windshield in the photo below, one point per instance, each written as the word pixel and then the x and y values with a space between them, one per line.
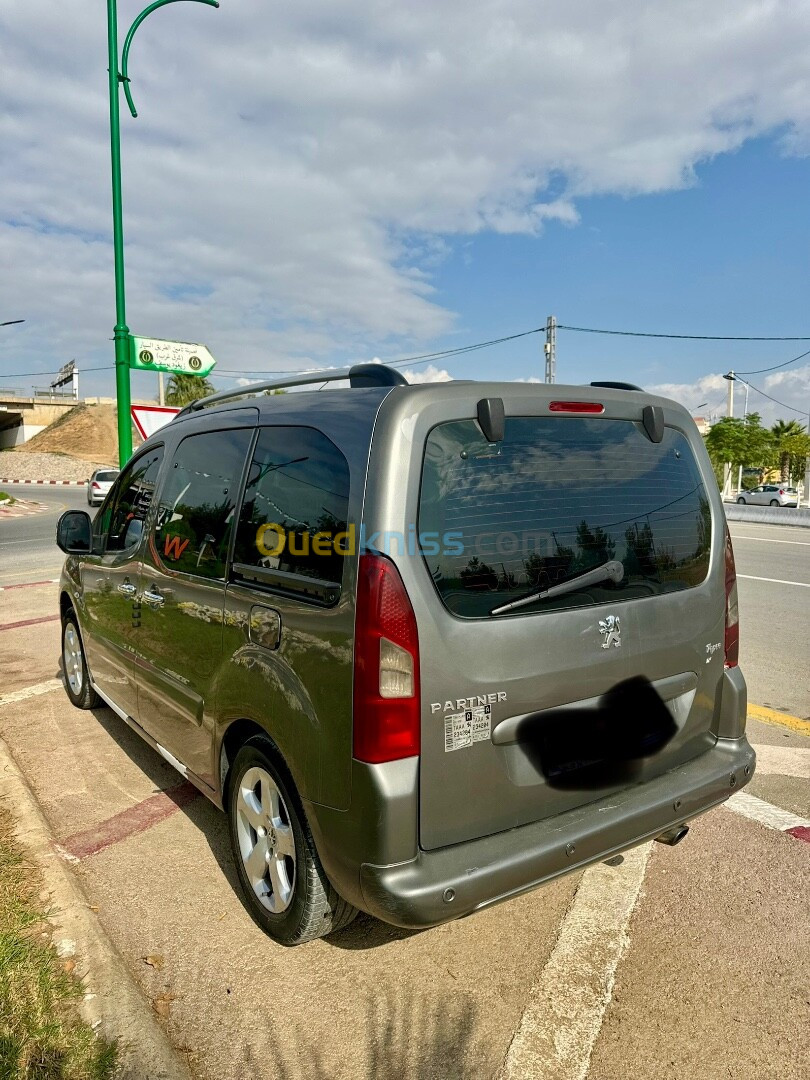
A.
pixel 560 497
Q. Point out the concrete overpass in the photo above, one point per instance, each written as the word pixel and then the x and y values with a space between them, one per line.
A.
pixel 23 417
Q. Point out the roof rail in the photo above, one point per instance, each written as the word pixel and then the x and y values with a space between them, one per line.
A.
pixel 359 375
pixel 619 385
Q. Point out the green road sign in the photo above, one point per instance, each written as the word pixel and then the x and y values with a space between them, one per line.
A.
pixel 179 357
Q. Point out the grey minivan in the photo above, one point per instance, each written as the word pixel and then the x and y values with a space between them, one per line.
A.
pixel 429 646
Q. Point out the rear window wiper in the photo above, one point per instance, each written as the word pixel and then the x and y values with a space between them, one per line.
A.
pixel 612 570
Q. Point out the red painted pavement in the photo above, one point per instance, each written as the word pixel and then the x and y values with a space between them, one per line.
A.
pixel 136 819
pixel 28 584
pixel 801 832
pixel 29 622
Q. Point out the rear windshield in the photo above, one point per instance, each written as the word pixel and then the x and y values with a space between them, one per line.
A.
pixel 106 477
pixel 560 498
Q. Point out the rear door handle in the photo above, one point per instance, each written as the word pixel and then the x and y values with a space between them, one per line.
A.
pixel 127 588
pixel 153 598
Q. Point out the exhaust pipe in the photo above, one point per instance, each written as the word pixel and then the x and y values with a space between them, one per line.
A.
pixel 673 836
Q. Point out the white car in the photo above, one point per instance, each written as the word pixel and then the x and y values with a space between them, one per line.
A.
pixel 99 484
pixel 770 495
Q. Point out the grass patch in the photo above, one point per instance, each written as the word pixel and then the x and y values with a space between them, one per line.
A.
pixel 6 498
pixel 42 1035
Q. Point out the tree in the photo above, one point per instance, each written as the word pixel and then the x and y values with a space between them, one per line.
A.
pixel 741 442
pixel 182 389
pixel 792 444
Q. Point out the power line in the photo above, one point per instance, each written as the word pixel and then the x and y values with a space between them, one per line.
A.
pixel 680 337
pixel 801 412
pixel 759 371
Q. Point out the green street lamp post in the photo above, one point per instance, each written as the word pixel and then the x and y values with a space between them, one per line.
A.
pixel 121 331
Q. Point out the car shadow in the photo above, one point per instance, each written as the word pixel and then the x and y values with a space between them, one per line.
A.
pixel 364 933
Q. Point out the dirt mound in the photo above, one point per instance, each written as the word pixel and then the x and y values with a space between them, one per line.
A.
pixel 87 432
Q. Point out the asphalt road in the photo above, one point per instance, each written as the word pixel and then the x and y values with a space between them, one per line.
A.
pixel 773 568
pixel 28 550
pixel 773 583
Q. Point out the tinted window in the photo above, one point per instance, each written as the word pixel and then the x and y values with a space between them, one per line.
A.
pixel 106 477
pixel 197 503
pixel 128 504
pixel 292 528
pixel 557 498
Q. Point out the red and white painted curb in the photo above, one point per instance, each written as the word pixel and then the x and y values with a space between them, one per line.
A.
pixel 772 817
pixel 74 483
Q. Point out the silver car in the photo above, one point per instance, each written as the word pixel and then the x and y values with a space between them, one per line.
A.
pixel 427 646
pixel 99 484
pixel 770 495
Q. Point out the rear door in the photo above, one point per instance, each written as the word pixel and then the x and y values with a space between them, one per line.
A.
pixel 608 676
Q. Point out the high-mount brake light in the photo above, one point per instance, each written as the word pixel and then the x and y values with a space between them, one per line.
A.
pixel 576 406
pixel 732 634
pixel 387 715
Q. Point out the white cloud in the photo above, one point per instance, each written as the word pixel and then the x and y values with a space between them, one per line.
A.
pixel 790 387
pixel 427 375
pixel 298 170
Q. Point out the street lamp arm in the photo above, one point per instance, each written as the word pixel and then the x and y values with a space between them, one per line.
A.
pixel 123 77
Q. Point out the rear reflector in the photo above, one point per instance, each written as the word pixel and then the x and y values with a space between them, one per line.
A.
pixel 386 665
pixel 732 635
pixel 576 406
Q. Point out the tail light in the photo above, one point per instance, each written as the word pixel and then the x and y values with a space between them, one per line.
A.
pixel 732 636
pixel 781 491
pixel 96 485
pixel 386 665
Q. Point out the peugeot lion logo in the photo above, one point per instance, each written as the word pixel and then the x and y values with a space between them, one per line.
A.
pixel 611 630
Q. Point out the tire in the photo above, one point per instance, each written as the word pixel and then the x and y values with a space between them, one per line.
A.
pixel 282 883
pixel 741 501
pixel 74 664
pixel 774 502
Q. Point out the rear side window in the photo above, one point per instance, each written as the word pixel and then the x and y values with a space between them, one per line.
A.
pixel 560 497
pixel 292 528
pixel 197 504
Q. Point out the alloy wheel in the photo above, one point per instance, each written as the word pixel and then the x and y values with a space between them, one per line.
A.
pixel 266 841
pixel 72 659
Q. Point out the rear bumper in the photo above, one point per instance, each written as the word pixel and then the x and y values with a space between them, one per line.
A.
pixel 452 882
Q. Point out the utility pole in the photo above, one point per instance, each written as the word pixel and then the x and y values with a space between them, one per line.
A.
pixel 807 469
pixel 550 349
pixel 729 413
pixel 745 421
pixel 121 330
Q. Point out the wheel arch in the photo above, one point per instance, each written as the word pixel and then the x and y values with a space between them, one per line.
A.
pixel 236 734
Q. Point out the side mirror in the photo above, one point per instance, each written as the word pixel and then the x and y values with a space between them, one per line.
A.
pixel 73 533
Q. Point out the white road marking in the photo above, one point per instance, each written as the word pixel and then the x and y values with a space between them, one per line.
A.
pixel 771 540
pixel 773 817
pixel 775 581
pixel 566 1008
pixel 30 691
pixel 784 760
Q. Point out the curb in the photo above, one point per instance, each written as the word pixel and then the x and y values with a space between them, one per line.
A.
pixel 780 719
pixel 113 1004
pixel 5 480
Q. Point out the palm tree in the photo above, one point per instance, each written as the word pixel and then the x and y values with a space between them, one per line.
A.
pixel 781 430
pixel 182 389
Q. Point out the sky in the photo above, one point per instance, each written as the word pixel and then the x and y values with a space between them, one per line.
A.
pixel 313 184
